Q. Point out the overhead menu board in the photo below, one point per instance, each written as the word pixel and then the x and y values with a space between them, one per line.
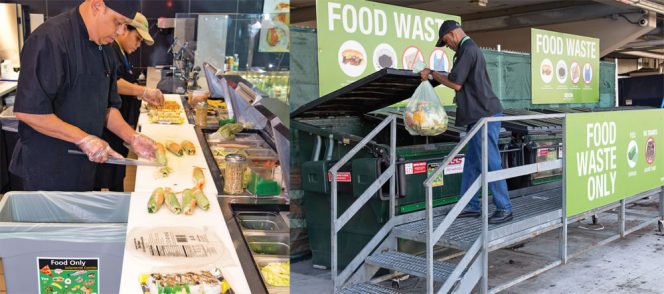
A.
pixel 357 38
pixel 564 68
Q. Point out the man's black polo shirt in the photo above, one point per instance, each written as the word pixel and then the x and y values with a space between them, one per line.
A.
pixel 476 98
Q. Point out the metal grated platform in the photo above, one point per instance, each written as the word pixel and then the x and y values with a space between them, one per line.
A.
pixel 367 288
pixel 531 211
pixel 411 264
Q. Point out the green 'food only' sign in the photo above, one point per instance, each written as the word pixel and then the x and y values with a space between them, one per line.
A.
pixel 357 38
pixel 564 68
pixel 611 156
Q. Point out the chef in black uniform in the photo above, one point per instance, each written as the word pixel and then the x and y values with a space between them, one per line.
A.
pixel 111 176
pixel 66 95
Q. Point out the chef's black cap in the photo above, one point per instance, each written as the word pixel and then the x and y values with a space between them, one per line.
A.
pixel 446 27
pixel 121 7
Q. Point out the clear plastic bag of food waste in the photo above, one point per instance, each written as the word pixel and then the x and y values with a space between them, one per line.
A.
pixel 425 115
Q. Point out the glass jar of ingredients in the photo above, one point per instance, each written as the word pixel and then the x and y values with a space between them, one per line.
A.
pixel 198 96
pixel 200 112
pixel 235 166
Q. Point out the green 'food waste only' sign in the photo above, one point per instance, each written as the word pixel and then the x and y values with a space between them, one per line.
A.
pixel 611 156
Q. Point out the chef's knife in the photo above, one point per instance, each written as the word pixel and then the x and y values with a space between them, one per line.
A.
pixel 123 161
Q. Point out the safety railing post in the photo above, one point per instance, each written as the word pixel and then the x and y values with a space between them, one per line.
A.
pixel 563 231
pixel 484 281
pixel 393 162
pixel 430 241
pixel 333 231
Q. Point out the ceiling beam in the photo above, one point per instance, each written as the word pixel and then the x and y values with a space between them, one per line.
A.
pixel 645 54
pixel 585 11
pixel 645 4
pixel 303 14
pixel 521 9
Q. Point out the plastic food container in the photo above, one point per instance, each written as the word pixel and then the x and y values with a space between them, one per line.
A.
pixel 262 158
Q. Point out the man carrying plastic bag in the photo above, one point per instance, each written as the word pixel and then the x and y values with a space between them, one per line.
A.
pixel 425 115
pixel 475 99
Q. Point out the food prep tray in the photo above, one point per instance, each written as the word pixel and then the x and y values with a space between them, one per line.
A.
pixel 269 245
pixel 262 221
pixel 263 261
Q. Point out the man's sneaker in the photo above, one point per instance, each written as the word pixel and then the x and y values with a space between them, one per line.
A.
pixel 500 216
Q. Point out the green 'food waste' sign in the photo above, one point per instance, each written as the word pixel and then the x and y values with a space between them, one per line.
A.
pixel 611 156
pixel 564 68
pixel 357 38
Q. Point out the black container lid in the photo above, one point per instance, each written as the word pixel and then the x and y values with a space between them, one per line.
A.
pixel 375 91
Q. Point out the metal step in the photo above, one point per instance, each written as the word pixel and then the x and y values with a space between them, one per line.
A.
pixel 410 264
pixel 367 288
pixel 530 211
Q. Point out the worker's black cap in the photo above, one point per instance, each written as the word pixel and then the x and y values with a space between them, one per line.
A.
pixel 121 7
pixel 446 27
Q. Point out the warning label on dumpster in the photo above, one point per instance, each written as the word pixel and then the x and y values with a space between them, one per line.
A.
pixel 68 275
pixel 431 168
pixel 342 177
pixel 455 166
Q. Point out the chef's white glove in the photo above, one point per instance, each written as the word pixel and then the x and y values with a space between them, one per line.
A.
pixel 142 145
pixel 97 149
pixel 153 97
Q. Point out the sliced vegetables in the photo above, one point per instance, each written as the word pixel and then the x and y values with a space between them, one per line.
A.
pixel 188 147
pixel 277 274
pixel 174 148
pixel 156 200
pixel 188 202
pixel 201 200
pixel 227 132
pixel 199 178
pixel 191 198
pixel 163 172
pixel 160 154
pixel 172 202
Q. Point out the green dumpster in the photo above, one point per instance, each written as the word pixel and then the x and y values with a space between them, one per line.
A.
pixel 324 130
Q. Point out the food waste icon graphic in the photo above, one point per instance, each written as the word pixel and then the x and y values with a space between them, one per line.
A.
pixel 632 154
pixel 352 58
pixel 650 151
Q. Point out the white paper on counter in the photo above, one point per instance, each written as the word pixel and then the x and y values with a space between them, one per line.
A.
pixel 212 220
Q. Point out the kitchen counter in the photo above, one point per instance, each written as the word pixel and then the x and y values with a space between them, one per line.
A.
pixel 7 87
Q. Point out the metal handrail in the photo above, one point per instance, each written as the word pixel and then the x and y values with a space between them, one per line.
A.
pixel 338 223
pixel 434 234
pixel 428 184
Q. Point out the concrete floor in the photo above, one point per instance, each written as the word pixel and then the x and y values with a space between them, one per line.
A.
pixel 634 264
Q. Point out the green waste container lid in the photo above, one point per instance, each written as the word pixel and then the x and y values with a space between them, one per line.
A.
pixel 375 91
